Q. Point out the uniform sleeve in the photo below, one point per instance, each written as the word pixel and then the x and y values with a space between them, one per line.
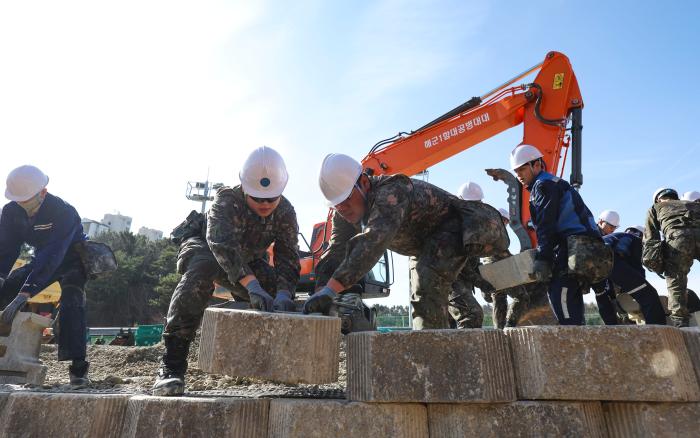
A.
pixel 341 232
pixel 287 265
pixel 10 244
pixel 222 231
pixel 390 207
pixel 652 227
pixel 546 199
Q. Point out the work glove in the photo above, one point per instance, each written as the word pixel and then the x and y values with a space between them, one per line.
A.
pixel 541 271
pixel 283 302
pixel 259 299
pixel 321 301
pixel 11 310
pixel 487 296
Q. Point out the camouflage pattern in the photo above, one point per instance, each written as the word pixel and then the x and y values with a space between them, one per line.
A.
pixel 235 246
pixel 589 259
pixel 463 306
pixel 679 222
pixel 97 258
pixel 504 314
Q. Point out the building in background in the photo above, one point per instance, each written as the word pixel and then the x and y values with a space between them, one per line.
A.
pixel 93 228
pixel 150 233
pixel 117 223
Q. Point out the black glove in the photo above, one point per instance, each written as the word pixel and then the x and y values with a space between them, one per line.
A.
pixel 541 271
pixel 11 310
pixel 283 302
pixel 259 299
pixel 321 301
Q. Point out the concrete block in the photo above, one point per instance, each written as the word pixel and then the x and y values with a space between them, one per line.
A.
pixel 625 363
pixel 339 418
pixel 511 271
pixel 19 350
pixel 430 366
pixel 692 343
pixel 195 417
pixel 640 420
pixel 284 347
pixel 34 414
pixel 521 419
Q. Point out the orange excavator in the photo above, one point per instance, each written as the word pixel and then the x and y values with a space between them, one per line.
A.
pixel 549 108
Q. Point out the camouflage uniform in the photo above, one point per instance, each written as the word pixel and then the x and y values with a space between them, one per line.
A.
pixel 505 315
pixel 463 306
pixel 679 222
pixel 412 218
pixel 231 246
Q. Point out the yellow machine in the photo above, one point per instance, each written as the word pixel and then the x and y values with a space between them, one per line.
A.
pixel 50 295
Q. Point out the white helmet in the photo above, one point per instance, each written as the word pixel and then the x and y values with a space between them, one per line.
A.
pixel 691 196
pixel 637 230
pixel 665 192
pixel 24 182
pixel 264 174
pixel 504 213
pixel 338 176
pixel 611 217
pixel 523 154
pixel 470 191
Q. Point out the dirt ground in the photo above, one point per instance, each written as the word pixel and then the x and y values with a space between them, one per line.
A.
pixel 133 370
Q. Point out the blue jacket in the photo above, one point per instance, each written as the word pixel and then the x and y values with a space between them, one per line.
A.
pixel 628 247
pixel 557 212
pixel 54 228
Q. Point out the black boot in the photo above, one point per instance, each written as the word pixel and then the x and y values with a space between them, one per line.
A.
pixel 78 373
pixel 171 375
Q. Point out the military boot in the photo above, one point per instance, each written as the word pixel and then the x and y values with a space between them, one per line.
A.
pixel 78 373
pixel 679 321
pixel 171 375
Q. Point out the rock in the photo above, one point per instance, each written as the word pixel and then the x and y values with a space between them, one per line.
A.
pixel 511 271
pixel 639 420
pixel 625 363
pixel 30 414
pixel 522 419
pixel 195 417
pixel 692 342
pixel 339 418
pixel 430 366
pixel 19 350
pixel 284 347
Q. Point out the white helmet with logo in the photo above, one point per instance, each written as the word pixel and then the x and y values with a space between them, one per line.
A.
pixel 337 177
pixel 471 191
pixel 523 154
pixel 264 174
pixel 691 196
pixel 25 182
pixel 611 217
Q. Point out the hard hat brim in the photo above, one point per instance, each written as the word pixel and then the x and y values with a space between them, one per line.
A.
pixel 19 198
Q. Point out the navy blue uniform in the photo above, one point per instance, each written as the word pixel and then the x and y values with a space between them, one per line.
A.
pixel 52 231
pixel 628 276
pixel 557 212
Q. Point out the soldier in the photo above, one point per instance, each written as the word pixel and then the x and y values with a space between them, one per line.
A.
pixel 679 222
pixel 434 228
pixel 608 222
pixel 693 196
pixel 53 228
pixel 231 249
pixel 570 251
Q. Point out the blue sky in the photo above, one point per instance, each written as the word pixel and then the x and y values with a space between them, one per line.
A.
pixel 123 103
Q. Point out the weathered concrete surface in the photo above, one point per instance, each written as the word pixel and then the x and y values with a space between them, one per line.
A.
pixel 511 271
pixel 652 420
pixel 692 342
pixel 625 363
pixel 290 348
pixel 339 418
pixel 19 350
pixel 430 366
pixel 195 417
pixel 521 419
pixel 35 414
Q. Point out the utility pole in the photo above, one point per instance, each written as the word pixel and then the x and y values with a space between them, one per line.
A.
pixel 200 191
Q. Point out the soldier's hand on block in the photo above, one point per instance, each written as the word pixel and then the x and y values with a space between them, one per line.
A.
pixel 15 306
pixel 321 301
pixel 259 299
pixel 283 302
pixel 541 271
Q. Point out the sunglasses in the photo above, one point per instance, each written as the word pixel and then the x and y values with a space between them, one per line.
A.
pixel 261 200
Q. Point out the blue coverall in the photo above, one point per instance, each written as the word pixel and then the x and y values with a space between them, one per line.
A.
pixel 52 231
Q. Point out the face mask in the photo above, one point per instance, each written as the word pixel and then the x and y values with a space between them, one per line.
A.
pixel 31 206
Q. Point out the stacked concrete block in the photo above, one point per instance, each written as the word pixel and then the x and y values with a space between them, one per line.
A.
pixel 522 418
pixel 283 347
pixel 19 350
pixel 651 420
pixel 196 417
pixel 430 366
pixel 511 271
pixel 339 418
pixel 692 342
pixel 627 363
pixel 29 414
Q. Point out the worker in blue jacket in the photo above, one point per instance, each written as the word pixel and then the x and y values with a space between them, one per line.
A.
pixel 558 212
pixel 627 276
pixel 53 228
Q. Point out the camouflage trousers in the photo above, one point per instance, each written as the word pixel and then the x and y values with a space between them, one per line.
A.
pixel 682 247
pixel 432 273
pixel 508 315
pixel 200 271
pixel 463 306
